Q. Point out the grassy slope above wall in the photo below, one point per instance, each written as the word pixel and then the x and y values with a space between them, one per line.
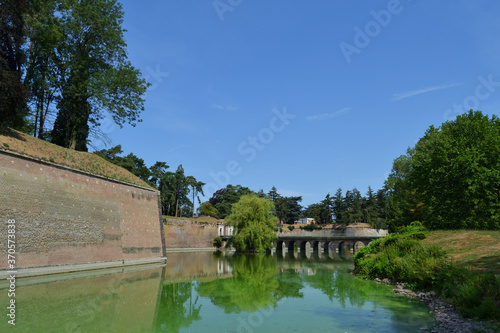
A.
pixel 24 144
pixel 478 249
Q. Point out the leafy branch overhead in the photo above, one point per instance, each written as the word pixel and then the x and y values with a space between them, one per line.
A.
pixel 70 67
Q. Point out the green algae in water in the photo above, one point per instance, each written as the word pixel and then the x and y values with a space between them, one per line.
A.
pixel 203 292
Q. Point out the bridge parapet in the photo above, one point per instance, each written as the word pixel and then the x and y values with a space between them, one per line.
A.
pixel 328 240
pixel 368 232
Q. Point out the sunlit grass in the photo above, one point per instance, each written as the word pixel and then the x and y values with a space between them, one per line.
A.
pixel 477 249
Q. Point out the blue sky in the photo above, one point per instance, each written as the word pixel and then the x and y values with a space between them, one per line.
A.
pixel 305 96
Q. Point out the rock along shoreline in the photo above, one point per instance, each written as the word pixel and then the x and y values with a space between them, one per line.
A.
pixel 447 318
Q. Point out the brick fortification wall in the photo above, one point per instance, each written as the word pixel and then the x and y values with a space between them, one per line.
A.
pixel 64 216
pixel 187 234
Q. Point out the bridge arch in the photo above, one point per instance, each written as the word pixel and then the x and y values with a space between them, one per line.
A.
pixel 332 246
pixel 345 246
pixel 304 246
pixel 320 246
pixel 286 245
pixel 338 243
pixel 357 245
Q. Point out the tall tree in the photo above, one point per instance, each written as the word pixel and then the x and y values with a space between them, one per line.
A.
pixel 94 73
pixel 325 212
pixel 13 94
pixel 177 189
pixel 369 207
pixel 352 212
pixel 338 206
pixel 224 198
pixel 456 173
pixel 381 199
pixel 273 194
pixel 157 171
pixel 288 209
pixel 44 30
pixel 196 189
pixel 402 201
pixel 313 210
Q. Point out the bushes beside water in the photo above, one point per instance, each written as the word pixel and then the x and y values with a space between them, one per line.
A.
pixel 403 257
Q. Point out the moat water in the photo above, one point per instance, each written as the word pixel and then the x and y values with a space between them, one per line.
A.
pixel 209 292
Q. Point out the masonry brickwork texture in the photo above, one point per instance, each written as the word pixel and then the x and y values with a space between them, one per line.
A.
pixel 186 234
pixel 64 216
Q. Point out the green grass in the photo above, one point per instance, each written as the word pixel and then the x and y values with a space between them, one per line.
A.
pixel 21 143
pixel 425 264
pixel 476 249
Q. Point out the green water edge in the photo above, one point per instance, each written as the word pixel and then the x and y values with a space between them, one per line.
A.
pixel 215 292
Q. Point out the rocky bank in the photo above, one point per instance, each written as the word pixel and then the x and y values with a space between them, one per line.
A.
pixel 447 318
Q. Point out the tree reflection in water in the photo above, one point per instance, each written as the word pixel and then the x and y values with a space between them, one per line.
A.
pixel 177 308
pixel 249 284
pixel 253 285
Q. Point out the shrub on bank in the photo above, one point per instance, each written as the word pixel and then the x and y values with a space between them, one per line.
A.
pixel 404 258
pixel 217 242
pixel 401 258
pixel 311 227
pixel 475 295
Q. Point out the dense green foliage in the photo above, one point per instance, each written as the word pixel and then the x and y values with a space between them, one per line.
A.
pixel 254 223
pixel 350 208
pixel 288 209
pixel 206 209
pixel 130 162
pixel 310 227
pixel 223 199
pixel 451 178
pixel 253 285
pixel 68 56
pixel 13 93
pixel 339 209
pixel 174 186
pixel 217 242
pixel 403 257
pixel 177 306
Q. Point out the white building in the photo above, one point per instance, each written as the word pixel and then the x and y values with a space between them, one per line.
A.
pixel 306 220
pixel 224 230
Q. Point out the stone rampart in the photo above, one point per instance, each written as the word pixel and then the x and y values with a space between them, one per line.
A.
pixel 188 234
pixel 64 216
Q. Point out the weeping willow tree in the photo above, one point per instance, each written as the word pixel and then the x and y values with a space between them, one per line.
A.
pixel 254 222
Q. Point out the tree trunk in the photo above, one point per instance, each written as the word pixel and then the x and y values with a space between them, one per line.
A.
pixel 193 202
pixel 176 206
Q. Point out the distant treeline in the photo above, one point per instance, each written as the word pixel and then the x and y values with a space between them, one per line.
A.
pixel 347 208
pixel 449 180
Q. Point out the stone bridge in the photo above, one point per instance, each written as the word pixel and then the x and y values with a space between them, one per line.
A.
pixel 331 240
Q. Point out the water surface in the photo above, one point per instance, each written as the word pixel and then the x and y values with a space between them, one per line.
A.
pixel 207 292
